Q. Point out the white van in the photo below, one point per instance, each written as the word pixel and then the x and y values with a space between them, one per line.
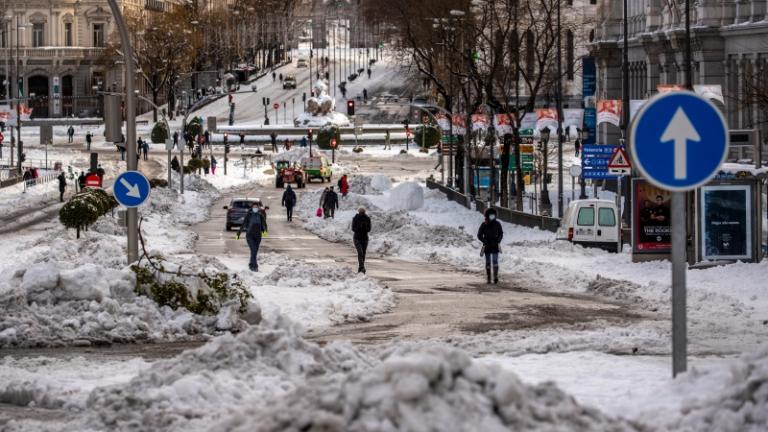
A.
pixel 591 223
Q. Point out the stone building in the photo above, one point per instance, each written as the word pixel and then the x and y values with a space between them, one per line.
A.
pixel 729 45
pixel 57 44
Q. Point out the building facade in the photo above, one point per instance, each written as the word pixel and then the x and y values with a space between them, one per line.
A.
pixel 729 49
pixel 53 47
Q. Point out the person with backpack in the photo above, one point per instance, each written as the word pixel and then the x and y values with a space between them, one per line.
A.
pixel 343 186
pixel 361 226
pixel 289 201
pixel 490 234
pixel 330 203
pixel 71 134
pixel 254 225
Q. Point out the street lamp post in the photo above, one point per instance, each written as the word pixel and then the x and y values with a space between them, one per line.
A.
pixel 559 115
pixel 545 201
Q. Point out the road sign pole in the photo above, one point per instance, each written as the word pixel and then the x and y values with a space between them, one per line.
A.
pixel 679 341
pixel 132 215
pixel 618 206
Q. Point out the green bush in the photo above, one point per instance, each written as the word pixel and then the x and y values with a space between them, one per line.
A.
pixel 187 170
pixel 426 136
pixel 172 291
pixel 195 126
pixel 158 182
pixel 325 135
pixel 205 164
pixel 195 164
pixel 160 133
pixel 85 208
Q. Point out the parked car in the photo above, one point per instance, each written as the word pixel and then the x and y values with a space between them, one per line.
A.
pixel 317 167
pixel 289 82
pixel 591 223
pixel 237 209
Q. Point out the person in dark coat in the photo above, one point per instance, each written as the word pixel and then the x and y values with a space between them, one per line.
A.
pixel 361 226
pixel 176 139
pixel 81 180
pixel 88 140
pixel 289 201
pixel 70 134
pixel 62 185
pixel 254 225
pixel 100 171
pixel 490 234
pixel 175 164
pixel 330 203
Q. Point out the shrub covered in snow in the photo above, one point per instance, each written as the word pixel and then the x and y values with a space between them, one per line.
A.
pixel 160 132
pixel 85 208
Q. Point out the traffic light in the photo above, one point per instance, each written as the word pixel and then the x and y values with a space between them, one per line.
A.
pixel 350 107
pixel 309 134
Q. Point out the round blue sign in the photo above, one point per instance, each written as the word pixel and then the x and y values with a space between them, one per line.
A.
pixel 679 140
pixel 131 189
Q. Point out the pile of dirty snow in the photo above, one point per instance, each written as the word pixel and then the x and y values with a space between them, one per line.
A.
pixel 407 196
pixel 369 185
pixel 742 406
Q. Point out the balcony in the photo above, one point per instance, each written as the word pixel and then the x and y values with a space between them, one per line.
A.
pixel 154 5
pixel 58 53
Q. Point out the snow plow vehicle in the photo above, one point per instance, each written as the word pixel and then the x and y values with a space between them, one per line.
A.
pixel 317 167
pixel 287 172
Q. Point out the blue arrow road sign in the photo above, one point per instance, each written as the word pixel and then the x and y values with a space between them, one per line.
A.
pixel 679 140
pixel 131 189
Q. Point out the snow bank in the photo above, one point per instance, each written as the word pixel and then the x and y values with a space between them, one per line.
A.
pixel 407 196
pixel 316 295
pixel 269 378
pixel 741 406
pixel 381 183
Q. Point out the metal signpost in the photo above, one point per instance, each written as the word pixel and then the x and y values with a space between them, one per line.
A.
pixel 169 147
pixel 131 189
pixel 663 131
pixel 619 166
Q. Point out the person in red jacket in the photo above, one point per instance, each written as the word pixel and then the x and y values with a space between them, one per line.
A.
pixel 344 186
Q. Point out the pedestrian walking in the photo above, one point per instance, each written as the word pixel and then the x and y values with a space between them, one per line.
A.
pixel 490 234
pixel 242 141
pixel 145 148
pixel 289 201
pixel 81 181
pixel 361 226
pixel 281 77
pixel 274 76
pixel 577 146
pixel 176 139
pixel 214 162
pixel 344 186
pixel 254 225
pixel 303 142
pixel 62 185
pixel 387 143
pixel 175 164
pixel 100 171
pixel 88 139
pixel 121 149
pixel 330 203
pixel 206 166
pixel 365 95
pixel 273 138
pixel 71 134
pixel 322 202
pixel 207 138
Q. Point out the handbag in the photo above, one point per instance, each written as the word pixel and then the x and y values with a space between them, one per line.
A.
pixel 319 212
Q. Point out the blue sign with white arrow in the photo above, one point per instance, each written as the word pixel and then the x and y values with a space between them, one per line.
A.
pixel 679 140
pixel 131 189
pixel 595 159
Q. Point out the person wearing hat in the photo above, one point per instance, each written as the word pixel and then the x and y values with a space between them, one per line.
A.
pixel 361 226
pixel 490 234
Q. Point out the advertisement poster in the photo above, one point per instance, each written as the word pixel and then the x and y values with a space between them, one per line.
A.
pixel 666 88
pixel 651 218
pixel 589 89
pixel 573 121
pixel 528 122
pixel 504 123
pixel 458 124
pixel 726 222
pixel 546 118
pixel 479 122
pixel 609 111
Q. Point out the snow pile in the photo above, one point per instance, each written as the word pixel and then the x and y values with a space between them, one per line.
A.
pixel 381 183
pixel 371 185
pixel 742 406
pixel 434 390
pixel 407 196
pixel 296 154
pixel 317 295
pixel 218 380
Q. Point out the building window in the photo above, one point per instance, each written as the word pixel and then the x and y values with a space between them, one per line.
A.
pixel 68 34
pixel 98 35
pixel 569 58
pixel 37 35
